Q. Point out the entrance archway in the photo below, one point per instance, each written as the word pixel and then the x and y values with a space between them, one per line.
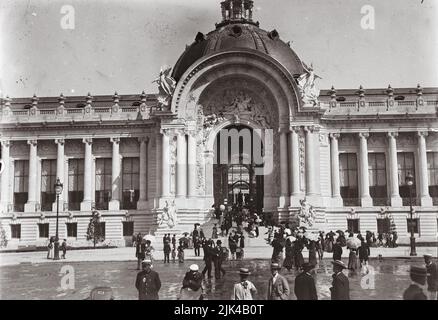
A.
pixel 235 178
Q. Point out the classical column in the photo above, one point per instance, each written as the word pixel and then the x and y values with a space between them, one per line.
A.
pixel 4 194
pixel 191 149
pixel 334 155
pixel 60 173
pixel 365 197
pixel 143 197
pixel 114 204
pixel 425 198
pixel 310 163
pixel 396 200
pixel 32 199
pixel 294 166
pixel 181 164
pixel 88 176
pixel 165 164
pixel 284 181
pixel 209 159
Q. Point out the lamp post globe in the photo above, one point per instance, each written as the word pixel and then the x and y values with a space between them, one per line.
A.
pixel 58 191
pixel 409 180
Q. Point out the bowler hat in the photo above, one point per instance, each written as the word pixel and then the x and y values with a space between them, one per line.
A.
pixel 275 266
pixel 307 266
pixel 147 262
pixel 339 263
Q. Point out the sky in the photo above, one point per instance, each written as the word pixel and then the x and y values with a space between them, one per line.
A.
pixel 121 45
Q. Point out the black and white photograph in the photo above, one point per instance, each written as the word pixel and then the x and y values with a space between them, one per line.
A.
pixel 219 150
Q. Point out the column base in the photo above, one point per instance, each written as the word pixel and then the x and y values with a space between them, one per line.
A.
pixel 366 202
pixel 61 206
pixel 86 205
pixel 314 199
pixel 30 206
pixel 426 201
pixel 283 201
pixel 337 201
pixel 142 204
pixel 295 200
pixel 114 205
pixel 396 201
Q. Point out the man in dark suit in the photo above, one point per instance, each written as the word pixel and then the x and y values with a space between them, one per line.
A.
pixel 305 288
pixel 414 291
pixel 148 282
pixel 432 276
pixel 337 250
pixel 340 289
pixel 278 288
pixel 208 257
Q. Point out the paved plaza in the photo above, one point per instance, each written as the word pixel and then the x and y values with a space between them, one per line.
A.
pixel 387 279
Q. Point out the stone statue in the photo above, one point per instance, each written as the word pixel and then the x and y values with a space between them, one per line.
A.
pixel 172 215
pixel 166 87
pixel 306 84
pixel 306 213
pixel 168 216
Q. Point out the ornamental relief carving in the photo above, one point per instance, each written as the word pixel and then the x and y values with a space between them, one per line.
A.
pixel 348 140
pixel 432 140
pixel 377 140
pixel 102 146
pixel 46 147
pixel 129 145
pixel 19 148
pixel 406 139
pixel 74 147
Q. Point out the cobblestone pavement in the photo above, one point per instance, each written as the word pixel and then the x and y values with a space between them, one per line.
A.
pixel 386 280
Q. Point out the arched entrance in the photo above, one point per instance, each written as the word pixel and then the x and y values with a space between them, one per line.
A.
pixel 236 178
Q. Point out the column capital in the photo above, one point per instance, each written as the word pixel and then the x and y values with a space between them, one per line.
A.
pixel 364 135
pixel 166 132
pixel 32 142
pixel 296 129
pixel 115 140
pixel 6 143
pixel 422 133
pixel 335 135
pixel 191 133
pixel 60 141
pixel 392 134
pixel 87 141
pixel 181 132
pixel 143 139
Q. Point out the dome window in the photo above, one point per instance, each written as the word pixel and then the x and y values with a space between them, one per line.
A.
pixel 274 35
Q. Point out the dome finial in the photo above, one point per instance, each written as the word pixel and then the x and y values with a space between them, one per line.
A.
pixel 236 11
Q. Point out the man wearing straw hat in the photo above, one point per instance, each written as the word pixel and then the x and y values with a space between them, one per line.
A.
pixel 244 290
pixel 432 276
pixel 415 291
pixel 305 288
pixel 340 289
pixel 148 282
pixel 278 288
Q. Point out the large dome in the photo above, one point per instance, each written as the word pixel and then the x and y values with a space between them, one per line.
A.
pixel 238 31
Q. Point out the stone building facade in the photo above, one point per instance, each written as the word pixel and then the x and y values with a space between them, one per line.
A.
pixel 135 160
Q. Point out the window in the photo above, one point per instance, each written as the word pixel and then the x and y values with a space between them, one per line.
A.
pixel 348 175
pixel 353 225
pixel 377 174
pixel 15 231
pixel 432 170
pixel 406 165
pixel 415 223
pixel 383 225
pixel 43 230
pixel 130 183
pixel 75 183
pixel 72 229
pixel 21 184
pixel 48 180
pixel 103 183
pixel 128 228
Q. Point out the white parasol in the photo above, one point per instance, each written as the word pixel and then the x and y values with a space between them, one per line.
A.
pixel 149 237
pixel 353 243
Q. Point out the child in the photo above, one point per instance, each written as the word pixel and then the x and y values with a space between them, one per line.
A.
pixel 173 254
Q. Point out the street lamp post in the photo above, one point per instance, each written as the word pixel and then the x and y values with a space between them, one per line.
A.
pixel 58 191
pixel 410 183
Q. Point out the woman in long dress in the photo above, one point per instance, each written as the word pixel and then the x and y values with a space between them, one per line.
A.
pixel 312 253
pixel 288 262
pixel 214 234
pixel 148 250
pixel 298 255
pixel 352 260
